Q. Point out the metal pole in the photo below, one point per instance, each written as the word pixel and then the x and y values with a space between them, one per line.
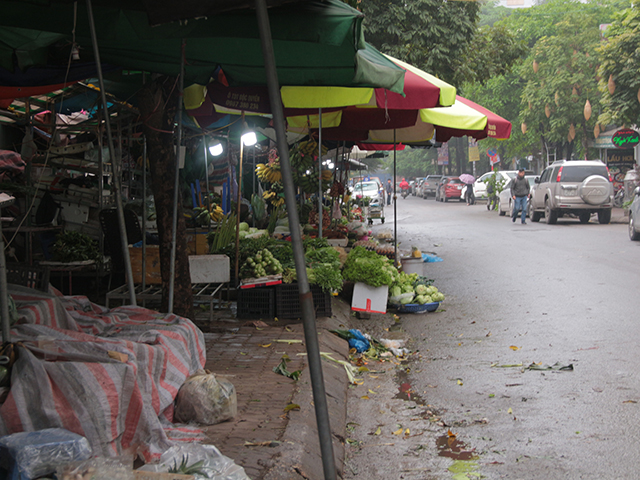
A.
pixel 206 168
pixel 144 214
pixel 115 163
pixel 4 293
pixel 176 184
pixel 395 205
pixel 320 209
pixel 306 299
pixel 238 202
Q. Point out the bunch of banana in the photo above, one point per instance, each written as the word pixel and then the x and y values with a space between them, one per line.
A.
pixel 310 147
pixel 216 213
pixel 326 175
pixel 276 199
pixel 268 173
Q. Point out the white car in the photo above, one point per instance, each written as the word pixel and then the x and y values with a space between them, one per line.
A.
pixel 505 202
pixel 480 185
pixel 369 189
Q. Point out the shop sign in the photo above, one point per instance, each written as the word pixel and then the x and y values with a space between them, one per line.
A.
pixel 625 138
pixel 474 151
pixel 443 154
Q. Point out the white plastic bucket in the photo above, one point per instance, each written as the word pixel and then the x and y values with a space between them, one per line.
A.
pixel 412 265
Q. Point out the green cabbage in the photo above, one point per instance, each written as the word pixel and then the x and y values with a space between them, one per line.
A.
pixel 421 290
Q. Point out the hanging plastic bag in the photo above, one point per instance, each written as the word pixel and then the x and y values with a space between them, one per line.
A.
pixel 206 400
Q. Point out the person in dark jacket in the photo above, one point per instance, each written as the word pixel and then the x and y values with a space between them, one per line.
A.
pixel 520 193
pixel 389 191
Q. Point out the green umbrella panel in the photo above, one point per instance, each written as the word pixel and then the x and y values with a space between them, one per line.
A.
pixel 315 43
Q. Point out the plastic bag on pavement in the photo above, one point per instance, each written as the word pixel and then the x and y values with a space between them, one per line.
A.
pixel 206 400
pixel 205 461
pixel 27 455
pixel 359 341
pixel 395 346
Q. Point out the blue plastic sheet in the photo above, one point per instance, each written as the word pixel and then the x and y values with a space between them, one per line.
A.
pixel 430 258
pixel 359 341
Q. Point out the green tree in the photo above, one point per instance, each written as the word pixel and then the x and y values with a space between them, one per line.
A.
pixel 560 80
pixel 620 61
pixel 412 162
pixel 433 35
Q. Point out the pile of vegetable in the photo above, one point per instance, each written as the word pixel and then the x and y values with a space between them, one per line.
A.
pixel 413 289
pixel 368 267
pixel 72 246
pixel 261 264
pixel 323 268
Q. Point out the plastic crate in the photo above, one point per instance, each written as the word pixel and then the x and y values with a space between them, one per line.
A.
pixel 256 303
pixel 288 301
pixel 28 276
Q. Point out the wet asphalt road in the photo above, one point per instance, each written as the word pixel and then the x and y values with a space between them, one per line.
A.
pixel 515 295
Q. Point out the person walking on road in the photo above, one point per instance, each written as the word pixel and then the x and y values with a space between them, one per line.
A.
pixel 520 193
pixel 389 191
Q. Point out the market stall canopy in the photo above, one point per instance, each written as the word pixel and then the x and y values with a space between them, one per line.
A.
pixel 315 42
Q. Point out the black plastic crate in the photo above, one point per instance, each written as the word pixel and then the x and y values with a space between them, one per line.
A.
pixel 256 303
pixel 288 301
pixel 28 276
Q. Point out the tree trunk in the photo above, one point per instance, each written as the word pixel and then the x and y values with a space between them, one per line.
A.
pixel 460 156
pixel 158 105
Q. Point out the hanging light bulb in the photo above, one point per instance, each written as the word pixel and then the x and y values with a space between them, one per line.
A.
pixel 75 52
pixel 249 137
pixel 215 148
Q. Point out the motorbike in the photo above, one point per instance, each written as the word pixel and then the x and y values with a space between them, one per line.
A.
pixel 405 192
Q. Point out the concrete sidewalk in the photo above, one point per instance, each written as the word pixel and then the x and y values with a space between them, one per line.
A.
pixel 269 442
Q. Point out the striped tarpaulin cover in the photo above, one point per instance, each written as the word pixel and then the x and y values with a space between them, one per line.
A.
pixel 109 375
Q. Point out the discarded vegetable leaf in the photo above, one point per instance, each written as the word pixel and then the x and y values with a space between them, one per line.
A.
pixel 514 348
pixel 510 412
pixel 365 397
pixel 281 368
pixel 371 391
pixel 460 382
pixel 398 432
pixel 266 345
pixel 288 341
pixel 378 431
pixel 292 406
pixel 406 432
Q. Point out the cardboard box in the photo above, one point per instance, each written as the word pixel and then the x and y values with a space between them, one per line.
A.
pixel 152 264
pixel 369 299
pixel 209 268
pixel 197 243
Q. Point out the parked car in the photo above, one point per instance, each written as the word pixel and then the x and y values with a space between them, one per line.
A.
pixel 418 189
pixel 634 216
pixel 505 201
pixel 578 187
pixel 369 189
pixel 412 187
pixel 480 185
pixel 449 188
pixel 430 185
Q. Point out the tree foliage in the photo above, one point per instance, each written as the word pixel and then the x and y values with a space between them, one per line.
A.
pixel 620 57
pixel 433 35
pixel 413 162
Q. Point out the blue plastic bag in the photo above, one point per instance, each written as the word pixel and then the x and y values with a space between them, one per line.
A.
pixel 359 341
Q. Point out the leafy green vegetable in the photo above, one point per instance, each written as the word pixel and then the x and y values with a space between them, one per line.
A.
pixel 368 267
pixel 323 255
pixel 74 246
pixel 326 276
pixel 314 243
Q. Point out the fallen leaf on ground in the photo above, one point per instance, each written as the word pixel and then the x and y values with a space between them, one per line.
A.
pixel 378 431
pixel 510 412
pixel 288 340
pixel 272 443
pixel 398 432
pixel 514 348
pixel 266 345
pixel 630 401
pixel 292 406
pixel 451 434
pixel 365 397
pixel 460 382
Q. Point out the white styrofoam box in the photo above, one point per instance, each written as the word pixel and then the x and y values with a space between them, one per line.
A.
pixel 369 299
pixel 338 242
pixel 209 268
pixel 72 212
